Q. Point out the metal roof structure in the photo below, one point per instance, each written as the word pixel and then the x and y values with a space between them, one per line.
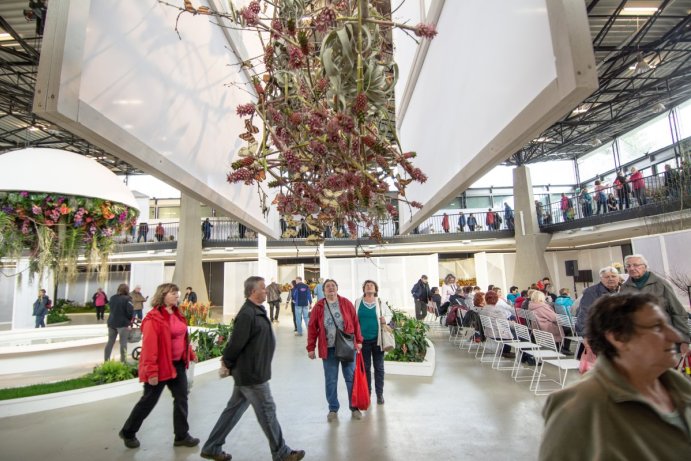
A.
pixel 20 47
pixel 642 50
pixel 642 57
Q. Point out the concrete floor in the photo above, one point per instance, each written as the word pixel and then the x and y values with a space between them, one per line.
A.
pixel 465 411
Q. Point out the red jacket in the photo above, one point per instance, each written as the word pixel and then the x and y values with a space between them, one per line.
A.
pixel 316 330
pixel 637 180
pixel 156 358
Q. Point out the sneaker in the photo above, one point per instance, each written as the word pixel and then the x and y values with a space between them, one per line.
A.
pixel 129 442
pixel 332 416
pixel 357 414
pixel 295 455
pixel 187 441
pixel 222 456
pixel 380 400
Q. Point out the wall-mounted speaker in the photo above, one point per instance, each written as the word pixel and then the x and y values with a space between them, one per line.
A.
pixel 585 276
pixel 571 268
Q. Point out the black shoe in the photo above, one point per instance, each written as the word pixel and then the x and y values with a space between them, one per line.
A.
pixel 295 455
pixel 187 441
pixel 380 400
pixel 129 442
pixel 567 353
pixel 222 456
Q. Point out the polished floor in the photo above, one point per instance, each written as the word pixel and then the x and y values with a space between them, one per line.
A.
pixel 465 411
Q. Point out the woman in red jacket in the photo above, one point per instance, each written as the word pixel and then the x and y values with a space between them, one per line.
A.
pixel 328 314
pixel 166 354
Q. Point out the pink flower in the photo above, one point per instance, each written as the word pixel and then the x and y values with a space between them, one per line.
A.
pixel 24 194
pixel 295 58
pixel 426 30
pixel 246 110
pixel 35 209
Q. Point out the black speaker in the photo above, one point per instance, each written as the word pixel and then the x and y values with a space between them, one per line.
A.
pixel 585 276
pixel 571 268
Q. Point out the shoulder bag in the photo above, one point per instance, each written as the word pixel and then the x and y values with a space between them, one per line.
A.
pixel 387 342
pixel 345 344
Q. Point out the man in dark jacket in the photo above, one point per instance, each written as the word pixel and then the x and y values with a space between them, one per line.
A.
pixel 119 321
pixel 41 306
pixel 609 284
pixel 190 296
pixel 642 280
pixel 247 356
pixel 421 295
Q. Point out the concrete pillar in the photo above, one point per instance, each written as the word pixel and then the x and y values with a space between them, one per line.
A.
pixel 188 263
pixel 323 263
pixel 531 244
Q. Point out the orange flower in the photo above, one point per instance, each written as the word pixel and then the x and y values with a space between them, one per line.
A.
pixel 64 209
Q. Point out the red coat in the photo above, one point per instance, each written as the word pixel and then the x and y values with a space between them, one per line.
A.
pixel 156 358
pixel 637 180
pixel 316 330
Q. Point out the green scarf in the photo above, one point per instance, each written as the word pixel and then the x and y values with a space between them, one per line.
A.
pixel 641 281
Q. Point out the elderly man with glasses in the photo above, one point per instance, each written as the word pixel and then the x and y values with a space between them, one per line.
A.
pixel 642 280
pixel 609 284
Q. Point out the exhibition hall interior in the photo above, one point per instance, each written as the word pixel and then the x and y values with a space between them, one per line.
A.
pixel 476 175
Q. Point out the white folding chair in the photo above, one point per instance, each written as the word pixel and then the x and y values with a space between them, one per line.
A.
pixel 523 335
pixel 518 345
pixel 545 340
pixel 564 320
pixel 490 338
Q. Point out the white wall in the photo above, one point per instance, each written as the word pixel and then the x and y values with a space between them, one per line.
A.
pixel 234 276
pixel 7 283
pixel 26 292
pixel 149 275
pixel 395 276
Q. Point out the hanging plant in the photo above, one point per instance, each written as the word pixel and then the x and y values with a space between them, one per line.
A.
pixel 324 97
pixel 56 229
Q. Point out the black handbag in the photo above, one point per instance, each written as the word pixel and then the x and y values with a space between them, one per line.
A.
pixel 345 342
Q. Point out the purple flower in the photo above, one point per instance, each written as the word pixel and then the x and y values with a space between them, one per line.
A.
pixel 7 209
pixel 24 194
pixel 123 217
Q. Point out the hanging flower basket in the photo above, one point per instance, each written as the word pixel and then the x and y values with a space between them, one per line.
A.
pixel 324 99
pixel 56 229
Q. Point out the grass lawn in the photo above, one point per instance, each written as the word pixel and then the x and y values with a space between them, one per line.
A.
pixel 39 389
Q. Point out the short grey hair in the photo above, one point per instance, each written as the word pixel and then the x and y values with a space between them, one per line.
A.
pixel 641 257
pixel 251 284
pixel 608 270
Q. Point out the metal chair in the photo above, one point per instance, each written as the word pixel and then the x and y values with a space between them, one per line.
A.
pixel 550 355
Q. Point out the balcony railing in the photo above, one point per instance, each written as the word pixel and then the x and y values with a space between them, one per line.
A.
pixel 606 203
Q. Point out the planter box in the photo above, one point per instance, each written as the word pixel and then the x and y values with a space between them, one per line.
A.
pixel 59 324
pixel 425 368
pixel 45 402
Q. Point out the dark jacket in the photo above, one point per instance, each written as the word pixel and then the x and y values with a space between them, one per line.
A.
pixel 41 306
pixel 251 346
pixel 667 299
pixel 190 297
pixel 273 292
pixel 302 295
pixel 121 311
pixel 421 291
pixel 603 417
pixel 590 295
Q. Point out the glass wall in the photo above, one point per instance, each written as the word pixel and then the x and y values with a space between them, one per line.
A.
pixel 596 162
pixel 684 117
pixel 650 137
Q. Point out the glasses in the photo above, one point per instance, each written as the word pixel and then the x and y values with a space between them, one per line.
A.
pixel 629 266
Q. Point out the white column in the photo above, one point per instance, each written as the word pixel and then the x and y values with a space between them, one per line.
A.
pixel 323 263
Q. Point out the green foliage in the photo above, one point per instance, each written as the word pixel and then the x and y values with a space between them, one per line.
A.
pixel 49 388
pixel 411 338
pixel 112 372
pixel 57 314
pixel 210 343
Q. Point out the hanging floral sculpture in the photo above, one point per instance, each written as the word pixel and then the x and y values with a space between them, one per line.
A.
pixel 324 96
pixel 56 228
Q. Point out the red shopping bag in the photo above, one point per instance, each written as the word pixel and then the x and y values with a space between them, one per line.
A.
pixel 360 398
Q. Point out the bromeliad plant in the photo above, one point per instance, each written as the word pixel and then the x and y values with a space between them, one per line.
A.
pixel 209 342
pixel 196 314
pixel 411 338
pixel 56 229
pixel 324 95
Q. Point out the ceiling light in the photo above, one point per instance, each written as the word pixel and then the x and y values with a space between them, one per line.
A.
pixel 5 36
pixel 596 142
pixel 580 110
pixel 641 65
pixel 659 107
pixel 639 11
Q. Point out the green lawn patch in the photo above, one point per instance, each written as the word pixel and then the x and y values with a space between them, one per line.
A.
pixel 50 388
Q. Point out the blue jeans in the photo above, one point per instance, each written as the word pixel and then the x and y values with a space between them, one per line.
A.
pixel 301 312
pixel 40 323
pixel 259 396
pixel 331 379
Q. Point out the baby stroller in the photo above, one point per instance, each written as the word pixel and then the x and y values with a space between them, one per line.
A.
pixel 135 336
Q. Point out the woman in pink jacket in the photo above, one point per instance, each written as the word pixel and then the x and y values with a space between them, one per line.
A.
pixel 545 315
pixel 638 186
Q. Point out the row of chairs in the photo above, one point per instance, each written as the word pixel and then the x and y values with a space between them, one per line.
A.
pixel 528 340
